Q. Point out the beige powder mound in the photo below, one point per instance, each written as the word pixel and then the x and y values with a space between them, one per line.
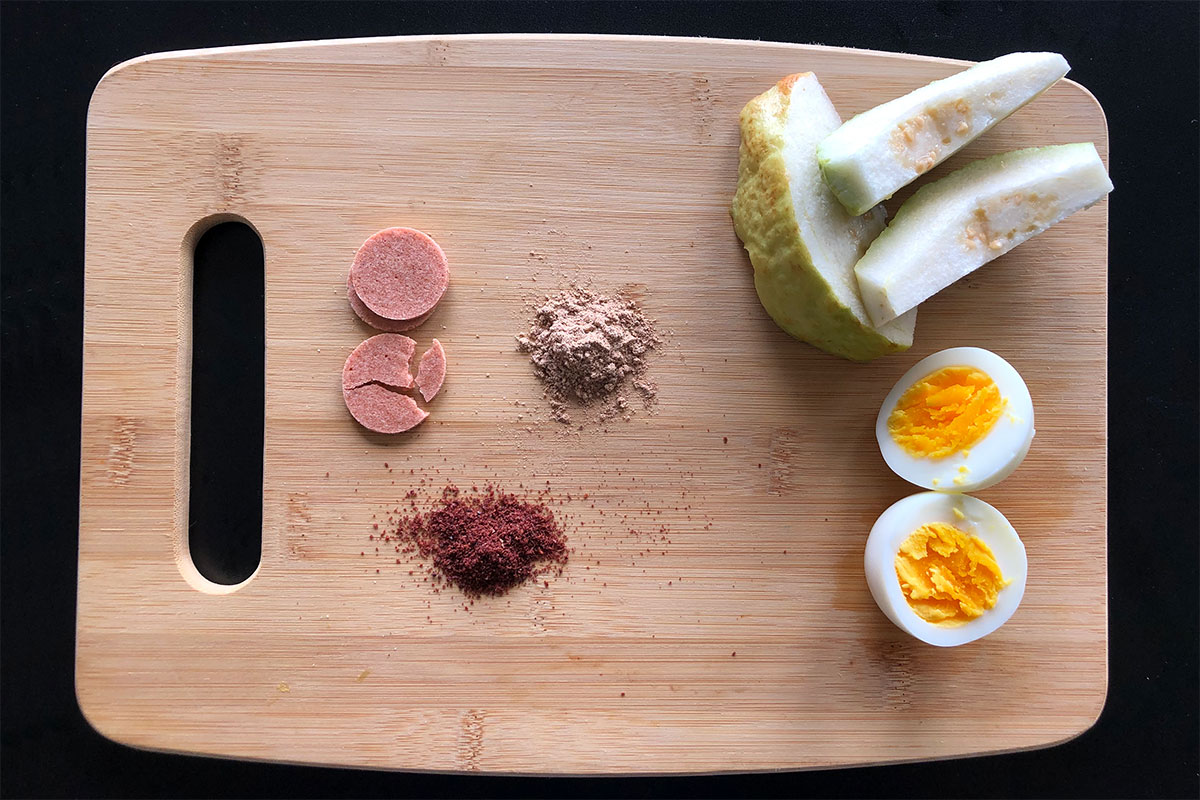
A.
pixel 588 349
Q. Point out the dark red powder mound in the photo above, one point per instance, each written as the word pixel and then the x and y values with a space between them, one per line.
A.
pixel 488 543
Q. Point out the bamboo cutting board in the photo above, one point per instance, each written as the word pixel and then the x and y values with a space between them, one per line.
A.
pixel 714 615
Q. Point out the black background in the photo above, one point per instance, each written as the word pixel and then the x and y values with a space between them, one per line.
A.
pixel 1140 60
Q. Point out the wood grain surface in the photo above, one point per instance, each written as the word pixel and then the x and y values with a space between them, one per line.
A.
pixel 714 615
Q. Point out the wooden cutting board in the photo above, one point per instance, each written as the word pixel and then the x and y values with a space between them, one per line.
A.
pixel 748 641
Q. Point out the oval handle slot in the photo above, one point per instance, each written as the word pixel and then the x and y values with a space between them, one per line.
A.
pixel 225 469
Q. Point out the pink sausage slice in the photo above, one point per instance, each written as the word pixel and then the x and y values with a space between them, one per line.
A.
pixel 381 359
pixel 377 322
pixel 383 410
pixel 400 273
pixel 431 371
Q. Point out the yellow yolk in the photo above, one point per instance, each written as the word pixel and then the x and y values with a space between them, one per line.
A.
pixel 947 576
pixel 945 412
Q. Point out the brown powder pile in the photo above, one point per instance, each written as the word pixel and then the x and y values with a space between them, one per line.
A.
pixel 587 347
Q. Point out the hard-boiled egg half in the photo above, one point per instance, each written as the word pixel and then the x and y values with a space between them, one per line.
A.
pixel 958 421
pixel 946 568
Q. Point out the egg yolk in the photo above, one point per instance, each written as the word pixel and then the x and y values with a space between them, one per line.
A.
pixel 948 576
pixel 945 412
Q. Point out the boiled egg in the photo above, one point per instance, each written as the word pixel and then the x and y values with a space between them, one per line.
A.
pixel 946 568
pixel 959 420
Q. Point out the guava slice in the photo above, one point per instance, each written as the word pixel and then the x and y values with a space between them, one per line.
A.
pixel 955 225
pixel 877 152
pixel 802 243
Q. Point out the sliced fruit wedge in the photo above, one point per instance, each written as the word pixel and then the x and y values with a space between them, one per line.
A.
pixel 866 160
pixel 802 243
pixel 955 225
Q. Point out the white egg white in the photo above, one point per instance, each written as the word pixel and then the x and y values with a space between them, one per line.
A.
pixel 989 460
pixel 978 519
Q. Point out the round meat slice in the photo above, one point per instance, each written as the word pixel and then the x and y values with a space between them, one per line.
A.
pixel 382 359
pixel 383 410
pixel 431 371
pixel 400 273
pixel 377 322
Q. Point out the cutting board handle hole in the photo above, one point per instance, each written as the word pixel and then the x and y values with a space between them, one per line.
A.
pixel 228 394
